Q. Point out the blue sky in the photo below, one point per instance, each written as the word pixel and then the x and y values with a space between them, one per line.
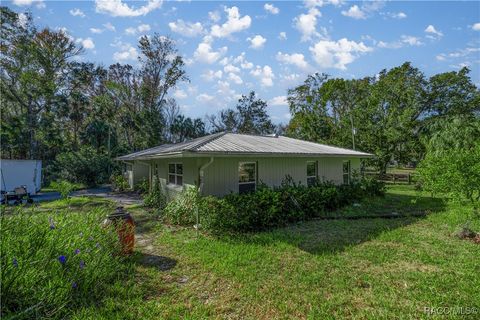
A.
pixel 233 47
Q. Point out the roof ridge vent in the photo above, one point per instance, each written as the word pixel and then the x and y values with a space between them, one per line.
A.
pixel 272 135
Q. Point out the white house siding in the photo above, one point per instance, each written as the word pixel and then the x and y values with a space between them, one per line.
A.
pixel 221 177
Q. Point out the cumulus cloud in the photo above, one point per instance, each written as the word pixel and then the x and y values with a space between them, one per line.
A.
pixel 109 26
pixel 265 75
pixel 242 61
pixel 186 29
pixel 282 35
pixel 278 101
pixel 205 53
pixel 235 78
pixel 126 52
pixel 204 98
pixel 211 75
pixel 231 68
pixel 22 20
pixel 399 15
pixel 96 30
pixel 354 12
pixel 86 43
pixel 180 94
pixel 405 40
pixel 77 12
pixel 257 42
pixel 433 33
pixel 296 59
pixel 307 23
pixel 139 29
pixel 234 23
pixel 271 8
pixel 337 54
pixel 476 26
pixel 117 8
pixel 22 3
pixel 214 16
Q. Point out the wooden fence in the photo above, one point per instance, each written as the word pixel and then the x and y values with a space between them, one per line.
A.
pixel 392 177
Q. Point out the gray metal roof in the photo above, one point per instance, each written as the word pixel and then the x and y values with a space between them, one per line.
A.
pixel 237 144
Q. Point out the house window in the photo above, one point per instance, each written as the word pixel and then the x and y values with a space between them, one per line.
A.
pixel 346 172
pixel 175 174
pixel 311 173
pixel 247 177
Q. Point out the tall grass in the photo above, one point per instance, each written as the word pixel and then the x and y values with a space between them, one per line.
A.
pixel 54 262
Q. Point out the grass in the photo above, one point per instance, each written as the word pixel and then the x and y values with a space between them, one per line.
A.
pixel 321 269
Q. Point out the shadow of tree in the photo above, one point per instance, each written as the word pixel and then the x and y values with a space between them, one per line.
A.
pixel 329 236
pixel 160 263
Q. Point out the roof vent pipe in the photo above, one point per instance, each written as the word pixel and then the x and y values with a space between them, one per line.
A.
pixel 273 135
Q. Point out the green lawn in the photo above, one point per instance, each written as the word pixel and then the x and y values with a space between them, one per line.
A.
pixel 322 269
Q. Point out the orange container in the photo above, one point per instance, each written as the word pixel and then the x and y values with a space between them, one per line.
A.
pixel 125 227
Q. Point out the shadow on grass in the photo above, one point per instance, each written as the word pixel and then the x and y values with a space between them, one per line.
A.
pixel 160 263
pixel 330 236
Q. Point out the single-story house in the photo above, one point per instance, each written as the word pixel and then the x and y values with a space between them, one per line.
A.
pixel 224 162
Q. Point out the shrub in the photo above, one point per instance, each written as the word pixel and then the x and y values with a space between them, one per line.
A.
pixel 372 187
pixel 84 166
pixel 54 262
pixel 155 198
pixel 183 208
pixel 119 183
pixel 64 187
pixel 142 187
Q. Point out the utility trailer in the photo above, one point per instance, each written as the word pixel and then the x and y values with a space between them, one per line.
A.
pixel 19 179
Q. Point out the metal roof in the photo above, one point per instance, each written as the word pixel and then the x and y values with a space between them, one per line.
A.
pixel 244 144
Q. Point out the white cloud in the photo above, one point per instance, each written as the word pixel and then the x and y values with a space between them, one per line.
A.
pixel 354 12
pixel 127 52
pixel 22 20
pixel 139 29
pixel 96 30
pixel 271 8
pixel 296 59
pixel 399 15
pixel 282 35
pixel 77 12
pixel 466 53
pixel 307 23
pixel 265 75
pixel 180 94
pixel 244 64
pixel 337 54
pixel 231 68
pixel 204 52
pixel 86 43
pixel 211 75
pixel 204 98
pixel 186 29
pixel 21 3
pixel 234 23
pixel 433 33
pixel 214 16
pixel 109 26
pixel 405 40
pixel 235 78
pixel 257 42
pixel 278 101
pixel 117 8
pixel 476 26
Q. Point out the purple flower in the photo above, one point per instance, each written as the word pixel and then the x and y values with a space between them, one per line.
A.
pixel 62 259
pixel 90 238
pixel 77 251
pixel 52 224
pixel 74 285
pixel 15 263
pixel 82 264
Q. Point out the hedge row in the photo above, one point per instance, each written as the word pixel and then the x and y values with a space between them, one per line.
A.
pixel 267 207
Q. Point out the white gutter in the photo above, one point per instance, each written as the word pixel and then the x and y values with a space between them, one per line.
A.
pixel 200 188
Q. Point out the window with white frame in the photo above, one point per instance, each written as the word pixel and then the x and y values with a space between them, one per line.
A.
pixel 247 176
pixel 175 174
pixel 311 172
pixel 346 172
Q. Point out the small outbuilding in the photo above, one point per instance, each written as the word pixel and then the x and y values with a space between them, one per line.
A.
pixel 222 163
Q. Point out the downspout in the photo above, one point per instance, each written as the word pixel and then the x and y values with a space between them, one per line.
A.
pixel 201 174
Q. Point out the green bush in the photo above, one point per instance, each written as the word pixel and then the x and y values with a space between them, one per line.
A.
pixel 64 187
pixel 84 166
pixel 267 207
pixel 119 183
pixel 52 263
pixel 155 198
pixel 142 187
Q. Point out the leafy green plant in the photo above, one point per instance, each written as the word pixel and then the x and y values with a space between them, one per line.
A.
pixel 119 183
pixel 52 263
pixel 155 198
pixel 64 187
pixel 183 208
pixel 142 187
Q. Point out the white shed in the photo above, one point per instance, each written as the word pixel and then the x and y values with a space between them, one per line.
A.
pixel 16 173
